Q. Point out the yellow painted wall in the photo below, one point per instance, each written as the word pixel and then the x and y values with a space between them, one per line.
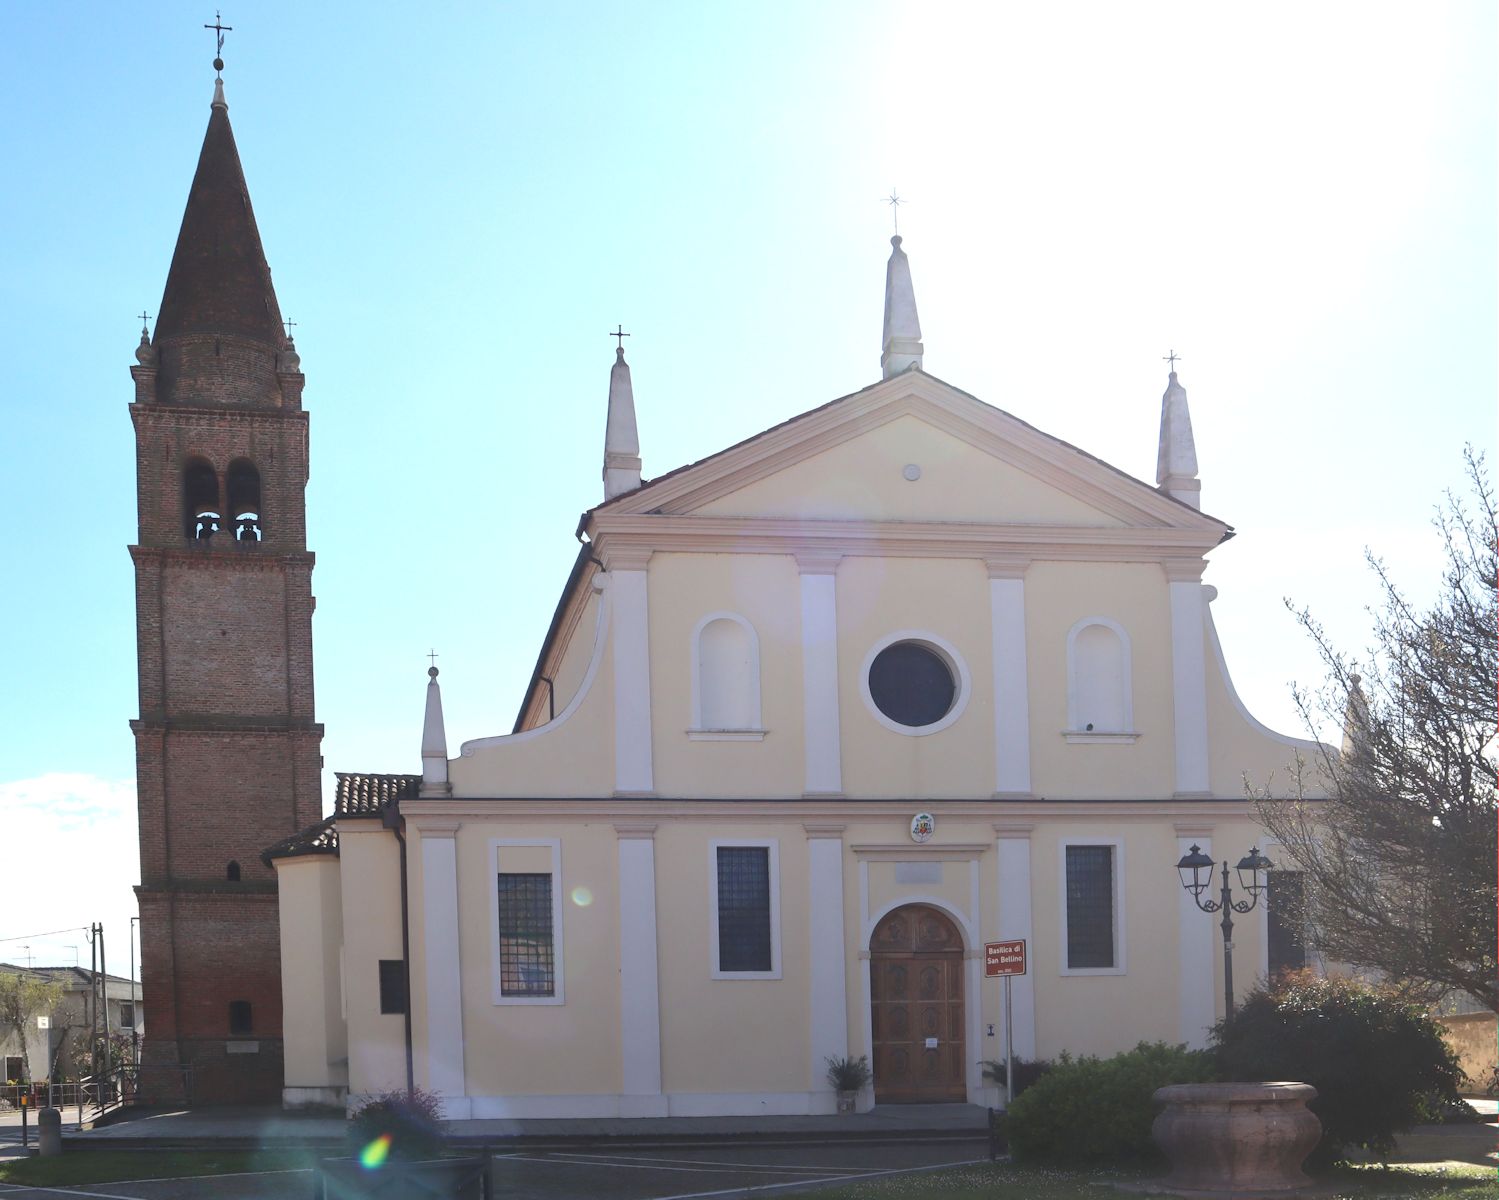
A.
pixel 765 590
pixel 536 1049
pixel 736 1034
pixel 371 899
pixel 314 1037
pixel 863 479
pixel 946 597
pixel 1057 596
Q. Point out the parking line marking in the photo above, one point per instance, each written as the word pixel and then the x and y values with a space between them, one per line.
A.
pixel 711 1163
pixel 21 1187
pixel 568 1162
pixel 781 1187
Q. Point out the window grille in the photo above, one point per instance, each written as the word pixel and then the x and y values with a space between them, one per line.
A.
pixel 1090 907
pixel 744 908
pixel 392 985
pixel 1285 918
pixel 527 967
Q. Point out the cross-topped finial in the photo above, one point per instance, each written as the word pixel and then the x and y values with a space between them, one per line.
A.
pixel 432 655
pixel 144 318
pixel 619 332
pixel 219 29
pixel 894 201
pixel 290 325
pixel 1173 358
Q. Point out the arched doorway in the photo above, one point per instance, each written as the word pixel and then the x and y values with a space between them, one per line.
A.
pixel 916 1007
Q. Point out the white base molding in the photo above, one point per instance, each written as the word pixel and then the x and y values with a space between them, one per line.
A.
pixel 673 1104
pixel 313 1097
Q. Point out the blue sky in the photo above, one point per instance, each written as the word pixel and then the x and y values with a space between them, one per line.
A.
pixel 458 200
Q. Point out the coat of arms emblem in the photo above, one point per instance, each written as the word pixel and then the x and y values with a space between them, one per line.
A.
pixel 923 825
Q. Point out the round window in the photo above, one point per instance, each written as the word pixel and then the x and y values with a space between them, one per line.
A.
pixel 912 684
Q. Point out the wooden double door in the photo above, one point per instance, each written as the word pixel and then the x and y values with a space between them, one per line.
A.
pixel 916 1001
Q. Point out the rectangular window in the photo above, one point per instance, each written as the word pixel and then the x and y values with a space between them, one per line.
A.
pixel 1090 908
pixel 127 1015
pixel 746 910
pixel 527 967
pixel 13 1065
pixel 1284 921
pixel 240 1021
pixel 392 985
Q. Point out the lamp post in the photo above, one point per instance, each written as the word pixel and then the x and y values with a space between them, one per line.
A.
pixel 1196 873
pixel 135 1006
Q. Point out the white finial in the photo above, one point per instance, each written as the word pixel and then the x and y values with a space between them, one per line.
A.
pixel 1176 458
pixel 1355 717
pixel 902 346
pixel 434 739
pixel 218 96
pixel 621 438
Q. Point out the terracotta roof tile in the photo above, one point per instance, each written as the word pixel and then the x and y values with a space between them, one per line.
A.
pixel 370 795
pixel 321 838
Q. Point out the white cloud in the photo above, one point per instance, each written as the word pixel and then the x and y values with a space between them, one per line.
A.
pixel 72 857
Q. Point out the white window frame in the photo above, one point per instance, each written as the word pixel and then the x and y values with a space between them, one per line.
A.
pixel 944 650
pixel 1074 732
pixel 496 845
pixel 773 846
pixel 1121 960
pixel 698 733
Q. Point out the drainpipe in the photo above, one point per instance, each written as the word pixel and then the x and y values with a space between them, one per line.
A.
pixel 394 822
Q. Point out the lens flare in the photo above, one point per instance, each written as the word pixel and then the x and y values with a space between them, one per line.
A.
pixel 582 897
pixel 375 1154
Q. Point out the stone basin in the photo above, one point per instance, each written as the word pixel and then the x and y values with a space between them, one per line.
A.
pixel 1236 1139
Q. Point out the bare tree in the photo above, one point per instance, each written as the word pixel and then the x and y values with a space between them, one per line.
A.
pixel 23 998
pixel 1399 859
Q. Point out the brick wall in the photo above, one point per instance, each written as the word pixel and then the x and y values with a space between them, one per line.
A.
pixel 228 755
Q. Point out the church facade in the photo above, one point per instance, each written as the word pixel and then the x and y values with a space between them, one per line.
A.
pixel 817 717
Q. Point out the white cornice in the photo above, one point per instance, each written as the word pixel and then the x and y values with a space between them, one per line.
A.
pixel 988 429
pixel 615 533
pixel 821 810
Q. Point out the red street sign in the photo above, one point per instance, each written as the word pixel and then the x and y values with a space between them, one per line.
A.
pixel 1004 958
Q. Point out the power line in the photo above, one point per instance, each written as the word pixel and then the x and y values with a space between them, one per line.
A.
pixel 22 937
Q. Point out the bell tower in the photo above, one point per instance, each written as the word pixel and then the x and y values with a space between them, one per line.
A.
pixel 227 746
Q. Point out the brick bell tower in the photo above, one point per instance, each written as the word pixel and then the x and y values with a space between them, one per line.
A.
pixel 227 746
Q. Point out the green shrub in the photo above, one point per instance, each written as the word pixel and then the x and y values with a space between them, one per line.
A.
pixel 1091 1109
pixel 411 1121
pixel 1379 1063
pixel 1027 1071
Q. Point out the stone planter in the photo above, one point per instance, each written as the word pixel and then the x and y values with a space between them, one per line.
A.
pixel 1236 1138
pixel 433 1179
pixel 847 1101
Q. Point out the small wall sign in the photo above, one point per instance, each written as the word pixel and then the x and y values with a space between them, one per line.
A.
pixel 923 825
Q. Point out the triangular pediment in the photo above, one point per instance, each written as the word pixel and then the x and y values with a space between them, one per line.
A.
pixel 852 460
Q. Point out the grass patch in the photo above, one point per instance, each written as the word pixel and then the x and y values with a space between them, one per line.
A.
pixel 121 1166
pixel 1005 1181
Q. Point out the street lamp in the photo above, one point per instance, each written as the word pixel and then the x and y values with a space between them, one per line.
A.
pixel 1195 869
pixel 135 1005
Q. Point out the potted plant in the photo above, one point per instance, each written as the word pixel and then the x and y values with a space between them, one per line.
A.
pixel 396 1150
pixel 849 1076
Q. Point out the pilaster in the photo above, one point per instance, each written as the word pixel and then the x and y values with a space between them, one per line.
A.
pixel 639 978
pixel 443 974
pixel 827 971
pixel 819 600
pixel 1012 726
